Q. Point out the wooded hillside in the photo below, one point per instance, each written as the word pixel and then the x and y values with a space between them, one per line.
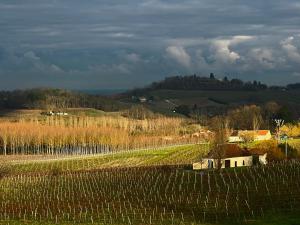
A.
pixel 47 98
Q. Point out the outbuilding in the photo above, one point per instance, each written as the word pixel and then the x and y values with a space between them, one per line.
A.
pixel 231 159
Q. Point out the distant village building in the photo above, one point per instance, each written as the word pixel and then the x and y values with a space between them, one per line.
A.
pixel 231 159
pixel 235 137
pixel 142 99
pixel 52 113
pixel 258 135
pixel 262 135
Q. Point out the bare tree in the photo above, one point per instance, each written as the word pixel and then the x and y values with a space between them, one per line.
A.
pixel 220 126
pixel 270 109
pixel 246 117
pixel 279 123
pixel 256 120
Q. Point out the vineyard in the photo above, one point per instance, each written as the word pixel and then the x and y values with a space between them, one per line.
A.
pixel 180 155
pixel 161 189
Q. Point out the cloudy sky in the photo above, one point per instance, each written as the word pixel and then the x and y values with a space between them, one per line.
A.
pixel 104 44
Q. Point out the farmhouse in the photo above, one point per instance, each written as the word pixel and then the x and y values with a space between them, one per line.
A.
pixel 230 159
pixel 257 135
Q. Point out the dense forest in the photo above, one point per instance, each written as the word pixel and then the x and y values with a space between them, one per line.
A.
pixel 47 98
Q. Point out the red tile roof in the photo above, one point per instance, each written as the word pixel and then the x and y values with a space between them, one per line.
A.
pixel 262 132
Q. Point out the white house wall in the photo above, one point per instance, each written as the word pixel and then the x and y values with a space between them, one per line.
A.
pixel 241 161
pixel 268 136
pixel 234 139
pixel 248 161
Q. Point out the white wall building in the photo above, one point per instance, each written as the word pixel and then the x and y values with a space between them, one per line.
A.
pixel 238 159
pixel 258 135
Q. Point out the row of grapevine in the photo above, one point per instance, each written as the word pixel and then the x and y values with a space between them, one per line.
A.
pixel 151 195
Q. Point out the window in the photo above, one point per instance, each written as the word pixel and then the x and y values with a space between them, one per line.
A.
pixel 243 162
pixel 235 163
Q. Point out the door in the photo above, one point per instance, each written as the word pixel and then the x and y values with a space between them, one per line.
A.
pixel 227 163
pixel 210 164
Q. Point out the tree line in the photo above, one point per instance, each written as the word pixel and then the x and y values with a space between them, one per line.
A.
pixel 48 98
pixel 196 82
pixel 91 135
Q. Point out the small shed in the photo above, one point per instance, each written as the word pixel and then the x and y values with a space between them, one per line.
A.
pixel 231 159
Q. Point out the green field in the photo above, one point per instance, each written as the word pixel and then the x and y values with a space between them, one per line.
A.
pixel 146 187
pixel 178 155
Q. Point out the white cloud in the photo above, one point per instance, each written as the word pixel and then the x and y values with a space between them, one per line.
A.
pixel 133 57
pixel 55 68
pixel 121 35
pixel 264 57
pixel 31 55
pixel 187 42
pixel 296 74
pixel 201 63
pixel 240 38
pixel 157 5
pixel 223 53
pixel 290 49
pixel 179 54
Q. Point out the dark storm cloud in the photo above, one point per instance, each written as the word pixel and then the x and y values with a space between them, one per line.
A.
pixel 107 44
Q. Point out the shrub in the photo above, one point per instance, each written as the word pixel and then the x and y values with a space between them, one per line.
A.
pixel 271 148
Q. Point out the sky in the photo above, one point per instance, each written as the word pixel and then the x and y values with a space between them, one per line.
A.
pixel 105 44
